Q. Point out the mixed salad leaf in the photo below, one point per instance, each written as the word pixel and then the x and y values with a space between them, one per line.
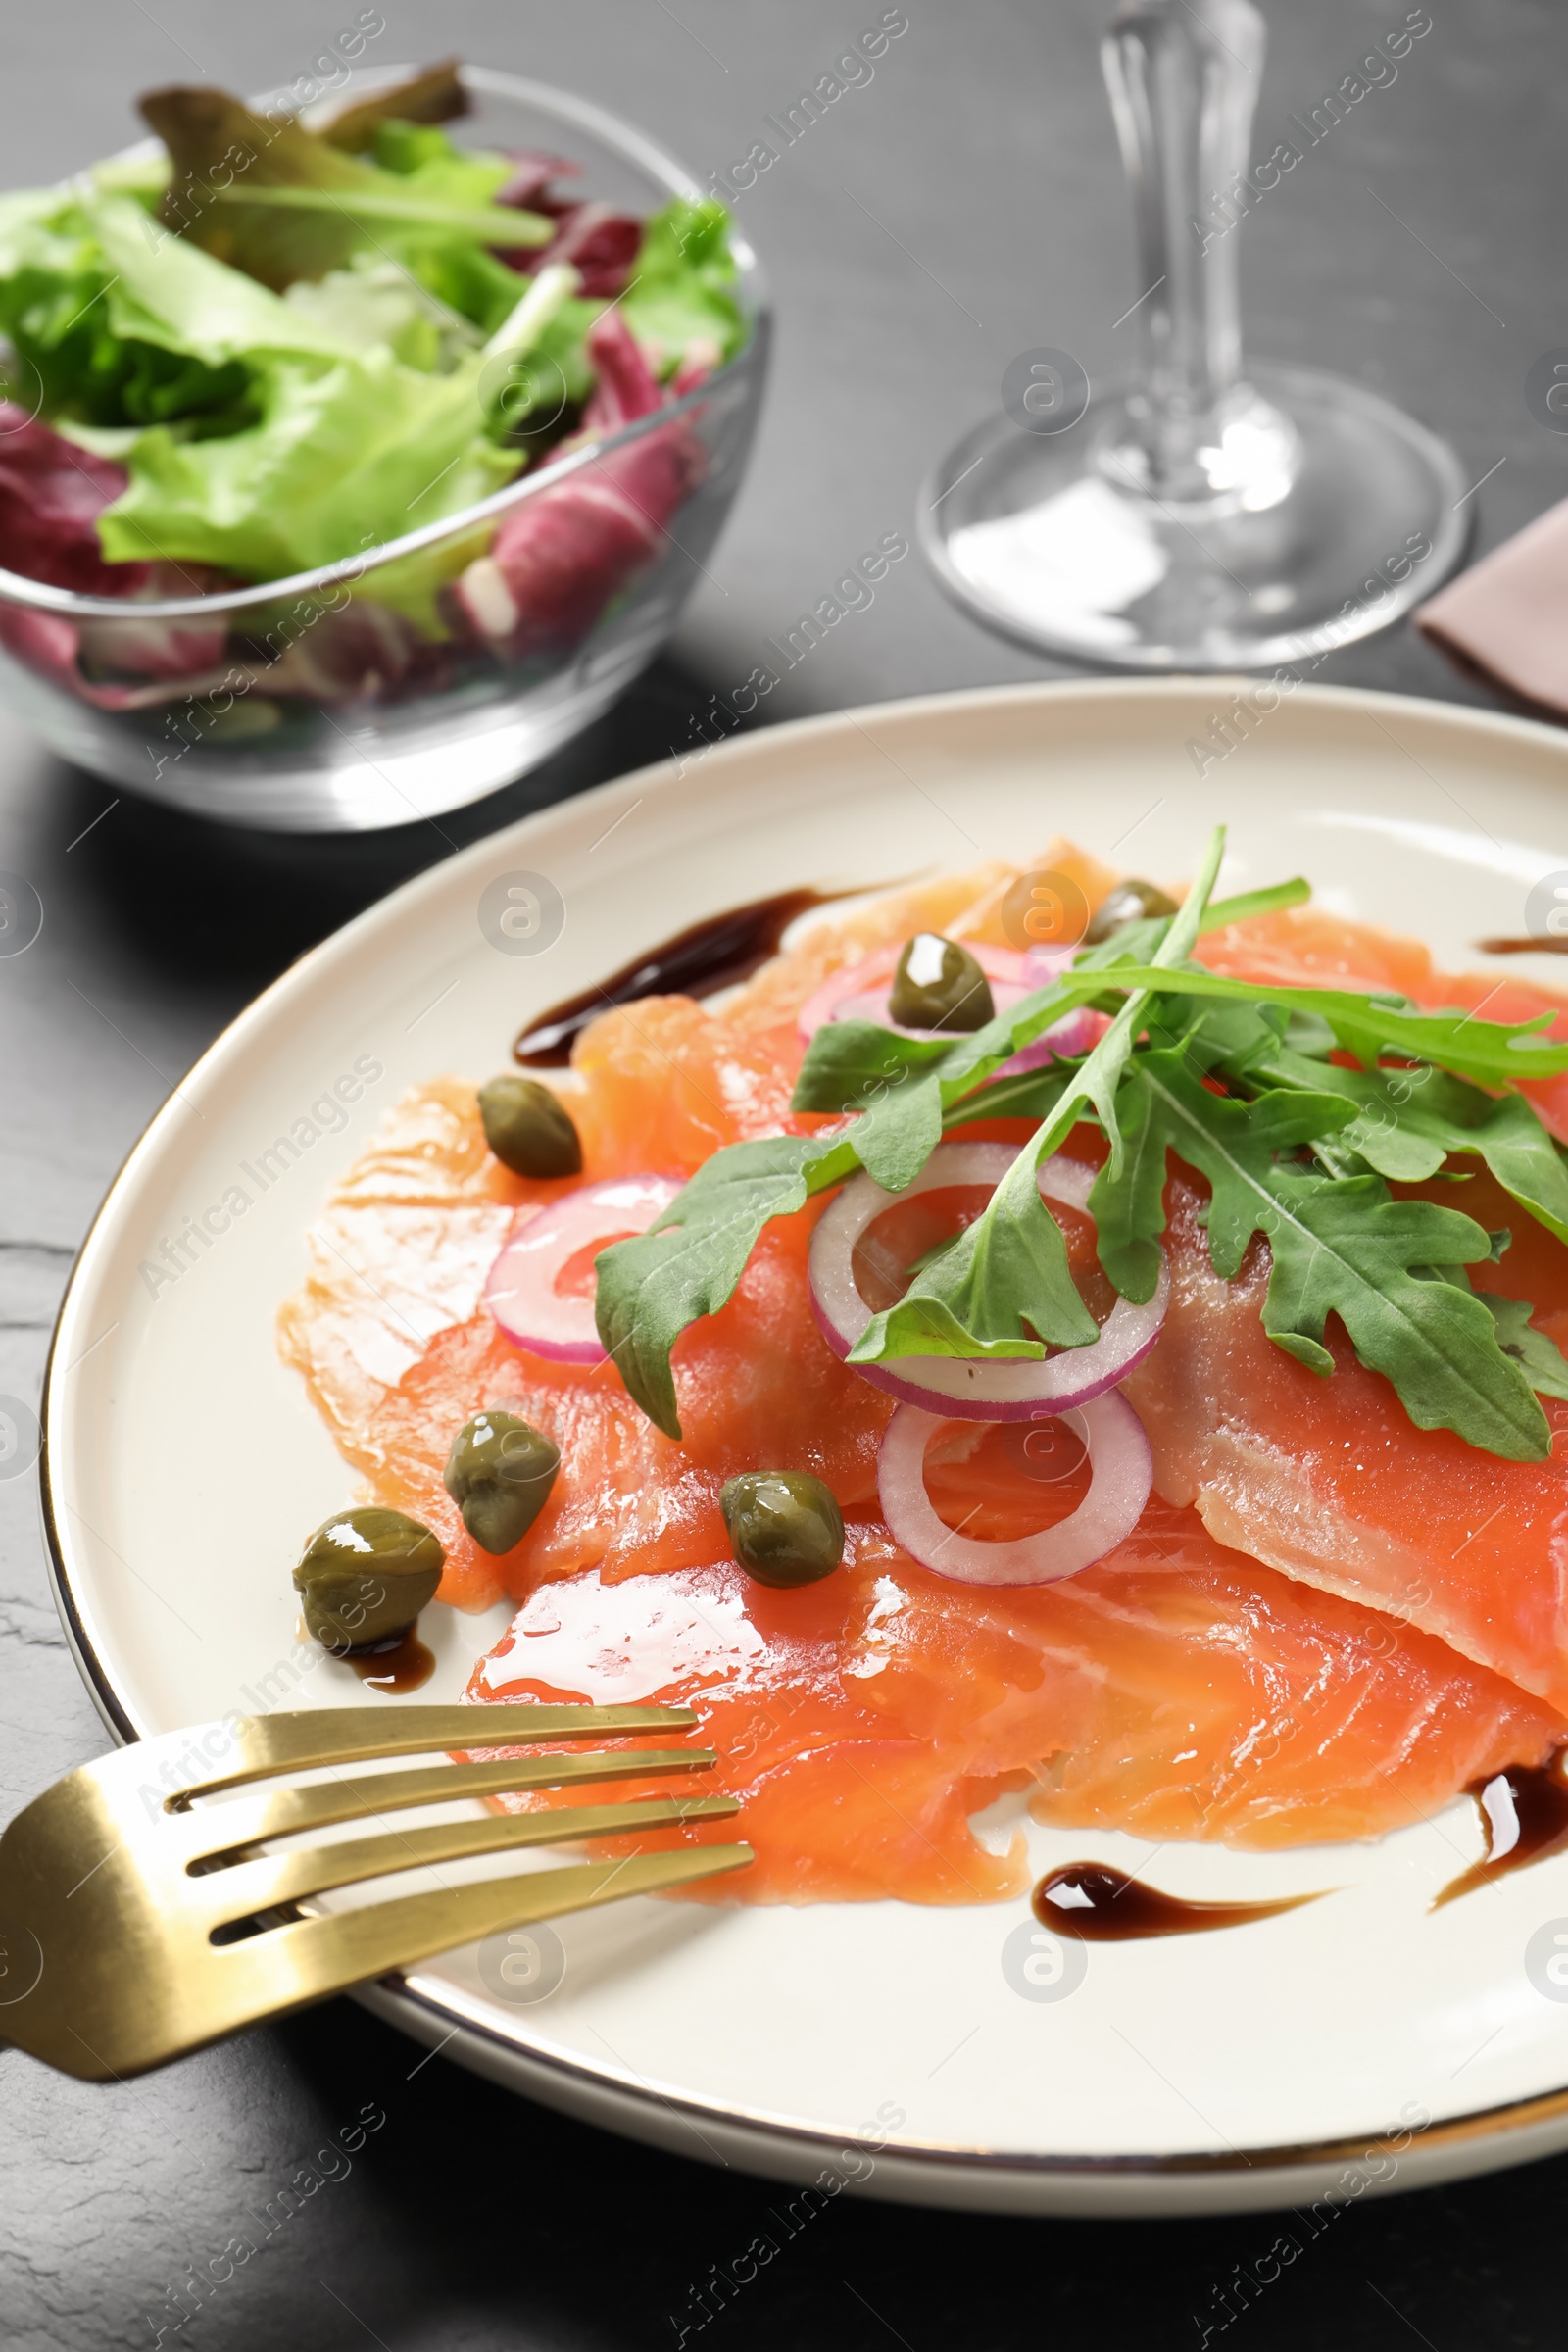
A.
pixel 1298 1105
pixel 297 344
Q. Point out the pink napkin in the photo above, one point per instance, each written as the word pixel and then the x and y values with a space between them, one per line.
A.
pixel 1506 621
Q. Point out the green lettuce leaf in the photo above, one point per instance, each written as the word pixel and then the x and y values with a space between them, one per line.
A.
pixel 342 458
pixel 80 345
pixel 681 288
pixel 171 293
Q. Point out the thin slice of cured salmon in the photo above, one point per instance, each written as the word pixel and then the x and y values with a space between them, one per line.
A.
pixel 1327 1478
pixel 1176 1689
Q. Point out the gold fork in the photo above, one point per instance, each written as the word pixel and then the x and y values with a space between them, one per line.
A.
pixel 137 1920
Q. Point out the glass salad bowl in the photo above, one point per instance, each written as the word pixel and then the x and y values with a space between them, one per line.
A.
pixel 434 666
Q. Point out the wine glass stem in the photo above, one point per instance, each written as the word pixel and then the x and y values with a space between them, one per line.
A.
pixel 1183 76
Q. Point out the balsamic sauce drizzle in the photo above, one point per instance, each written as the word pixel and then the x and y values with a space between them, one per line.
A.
pixel 1524 1812
pixel 1102 1905
pixel 707 955
pixel 396 1667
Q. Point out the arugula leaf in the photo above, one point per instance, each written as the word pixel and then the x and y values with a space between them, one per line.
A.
pixel 1409 1122
pixel 1339 1246
pixel 1008 1270
pixel 687 1264
pixel 1541 1358
pixel 1026 1095
pixel 847 1059
pixel 1494 1052
pixel 1248 905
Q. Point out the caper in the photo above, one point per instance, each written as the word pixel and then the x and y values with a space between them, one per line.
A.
pixel 499 1473
pixel 1131 901
pixel 529 1128
pixel 784 1526
pixel 365 1576
pixel 939 985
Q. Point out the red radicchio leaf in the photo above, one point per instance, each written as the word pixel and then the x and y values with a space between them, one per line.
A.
pixel 528 188
pixel 624 386
pixel 51 496
pixel 557 559
pixel 600 243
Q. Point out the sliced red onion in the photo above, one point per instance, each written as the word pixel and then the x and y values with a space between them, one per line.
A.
pixel 1122 1472
pixel 521 1292
pixel 861 992
pixel 958 1387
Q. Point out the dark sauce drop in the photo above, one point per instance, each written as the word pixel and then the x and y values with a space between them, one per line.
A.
pixel 1528 945
pixel 1524 1812
pixel 709 956
pixel 396 1667
pixel 1102 1905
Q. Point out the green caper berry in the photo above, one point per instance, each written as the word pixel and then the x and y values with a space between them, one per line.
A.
pixel 529 1128
pixel 939 985
pixel 365 1576
pixel 499 1473
pixel 785 1527
pixel 1131 901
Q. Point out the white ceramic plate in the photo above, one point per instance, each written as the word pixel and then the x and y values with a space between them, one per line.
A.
pixel 1250 2068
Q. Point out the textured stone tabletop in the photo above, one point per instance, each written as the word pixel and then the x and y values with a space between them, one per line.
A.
pixel 962 205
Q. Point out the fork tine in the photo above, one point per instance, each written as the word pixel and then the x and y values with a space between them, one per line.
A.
pixel 246 1821
pixel 304 1961
pixel 276 1879
pixel 316 1736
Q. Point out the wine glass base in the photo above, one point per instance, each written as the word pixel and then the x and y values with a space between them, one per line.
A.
pixel 1049 539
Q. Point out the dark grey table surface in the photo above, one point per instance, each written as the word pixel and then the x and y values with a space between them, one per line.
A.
pixel 963 206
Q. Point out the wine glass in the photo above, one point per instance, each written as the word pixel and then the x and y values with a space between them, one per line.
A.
pixel 1204 519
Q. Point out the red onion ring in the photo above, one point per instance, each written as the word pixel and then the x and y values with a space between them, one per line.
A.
pixel 861 992
pixel 957 1387
pixel 520 1291
pixel 1122 1468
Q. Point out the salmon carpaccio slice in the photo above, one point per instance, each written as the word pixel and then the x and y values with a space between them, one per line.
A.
pixel 1327 1478
pixel 1176 1689
pixel 1180 1688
